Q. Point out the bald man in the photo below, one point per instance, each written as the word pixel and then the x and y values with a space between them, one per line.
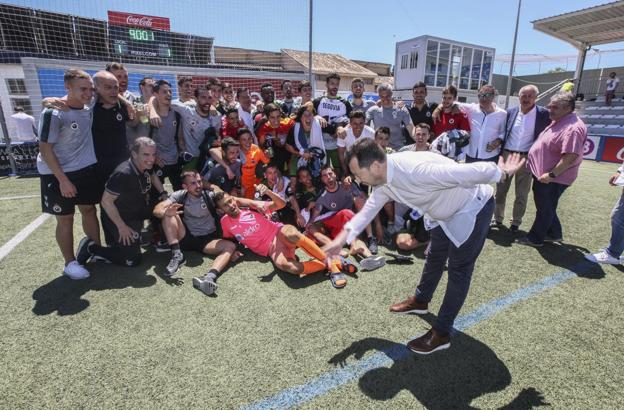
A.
pixel 110 115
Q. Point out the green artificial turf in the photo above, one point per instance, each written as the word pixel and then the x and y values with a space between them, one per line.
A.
pixel 128 338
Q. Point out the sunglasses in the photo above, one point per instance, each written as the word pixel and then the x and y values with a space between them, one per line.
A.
pixel 485 95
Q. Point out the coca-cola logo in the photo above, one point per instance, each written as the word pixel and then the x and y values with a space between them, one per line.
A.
pixel 139 21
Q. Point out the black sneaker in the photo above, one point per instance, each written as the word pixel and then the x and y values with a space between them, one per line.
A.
pixel 82 253
pixel 514 228
pixel 373 246
pixel 552 240
pixel 496 224
pixel 174 264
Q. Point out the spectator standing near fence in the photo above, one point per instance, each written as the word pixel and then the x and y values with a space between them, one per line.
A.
pixel 25 128
pixel 554 160
pixel 612 85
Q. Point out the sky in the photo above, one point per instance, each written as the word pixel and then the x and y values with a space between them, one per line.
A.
pixel 356 29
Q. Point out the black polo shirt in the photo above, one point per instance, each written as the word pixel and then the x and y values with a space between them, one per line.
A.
pixel 109 133
pixel 132 189
pixel 424 115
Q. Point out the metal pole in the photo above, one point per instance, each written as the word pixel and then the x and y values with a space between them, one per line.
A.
pixel 310 75
pixel 7 141
pixel 513 57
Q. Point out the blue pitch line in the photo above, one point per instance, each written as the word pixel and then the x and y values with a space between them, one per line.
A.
pixel 294 396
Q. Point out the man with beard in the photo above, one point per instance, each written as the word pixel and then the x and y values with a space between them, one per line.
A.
pixel 288 102
pixel 197 121
pixel 127 202
pixel 305 94
pixel 263 237
pixel 358 102
pixel 195 230
pixel 218 175
pixel 121 74
pixel 335 110
pixel 165 131
pixel 449 116
pixel 421 110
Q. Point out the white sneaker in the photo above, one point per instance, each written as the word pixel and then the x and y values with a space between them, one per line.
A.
pixel 75 271
pixel 372 263
pixel 602 257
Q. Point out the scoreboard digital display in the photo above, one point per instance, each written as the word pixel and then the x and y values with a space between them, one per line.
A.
pixel 140 42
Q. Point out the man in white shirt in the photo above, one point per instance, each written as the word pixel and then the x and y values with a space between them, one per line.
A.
pixel 245 108
pixel 612 84
pixel 457 205
pixel 524 124
pixel 487 127
pixel 25 128
pixel 357 130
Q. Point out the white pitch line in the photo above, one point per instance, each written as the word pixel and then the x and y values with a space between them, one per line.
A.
pixel 8 198
pixel 23 234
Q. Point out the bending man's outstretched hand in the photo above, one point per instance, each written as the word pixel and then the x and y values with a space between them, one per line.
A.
pixel 513 163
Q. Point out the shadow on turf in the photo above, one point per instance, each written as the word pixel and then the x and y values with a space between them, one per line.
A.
pixel 65 296
pixel 572 258
pixel 450 378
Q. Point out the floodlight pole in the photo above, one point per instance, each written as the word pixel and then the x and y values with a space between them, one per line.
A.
pixel 513 57
pixel 310 75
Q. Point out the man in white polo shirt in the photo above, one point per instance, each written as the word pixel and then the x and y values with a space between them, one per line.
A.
pixel 524 124
pixel 457 204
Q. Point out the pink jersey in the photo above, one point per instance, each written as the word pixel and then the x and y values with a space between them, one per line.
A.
pixel 251 229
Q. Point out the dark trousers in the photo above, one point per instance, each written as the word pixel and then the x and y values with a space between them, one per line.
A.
pixel 116 252
pixel 461 263
pixel 546 197
pixel 470 159
pixel 172 172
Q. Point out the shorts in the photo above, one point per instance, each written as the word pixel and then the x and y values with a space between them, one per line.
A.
pixel 88 191
pixel 196 243
pixel 172 172
pixel 334 224
pixel 280 247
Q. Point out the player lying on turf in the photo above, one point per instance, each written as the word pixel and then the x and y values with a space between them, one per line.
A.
pixel 252 228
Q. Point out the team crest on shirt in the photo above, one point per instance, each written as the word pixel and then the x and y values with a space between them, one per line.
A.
pixel 428 114
pixel 119 117
pixel 451 121
pixel 222 180
pixel 395 114
pixel 74 125
pixel 203 205
pixel 159 172
pixel 193 123
pixel 239 237
pixel 57 208
pixel 175 123
pixel 333 205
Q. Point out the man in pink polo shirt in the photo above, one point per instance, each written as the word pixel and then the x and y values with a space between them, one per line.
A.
pixel 554 161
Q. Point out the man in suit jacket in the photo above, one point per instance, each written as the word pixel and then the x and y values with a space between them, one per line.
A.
pixel 524 124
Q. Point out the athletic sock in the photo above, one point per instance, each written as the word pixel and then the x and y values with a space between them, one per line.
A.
pixel 312 266
pixel 212 274
pixel 311 248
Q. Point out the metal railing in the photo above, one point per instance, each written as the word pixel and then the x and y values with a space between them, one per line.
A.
pixel 551 91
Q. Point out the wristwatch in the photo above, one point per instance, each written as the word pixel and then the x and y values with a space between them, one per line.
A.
pixel 552 175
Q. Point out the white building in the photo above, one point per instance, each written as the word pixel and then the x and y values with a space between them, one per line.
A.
pixel 440 62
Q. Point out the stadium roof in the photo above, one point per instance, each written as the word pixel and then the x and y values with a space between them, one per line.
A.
pixel 594 25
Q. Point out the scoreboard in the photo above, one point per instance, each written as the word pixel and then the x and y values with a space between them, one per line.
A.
pixel 140 42
pixel 139 35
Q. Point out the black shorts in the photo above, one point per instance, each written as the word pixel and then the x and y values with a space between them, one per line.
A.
pixel 88 192
pixel 196 243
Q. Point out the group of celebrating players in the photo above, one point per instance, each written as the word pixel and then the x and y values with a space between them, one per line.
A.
pixel 269 174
